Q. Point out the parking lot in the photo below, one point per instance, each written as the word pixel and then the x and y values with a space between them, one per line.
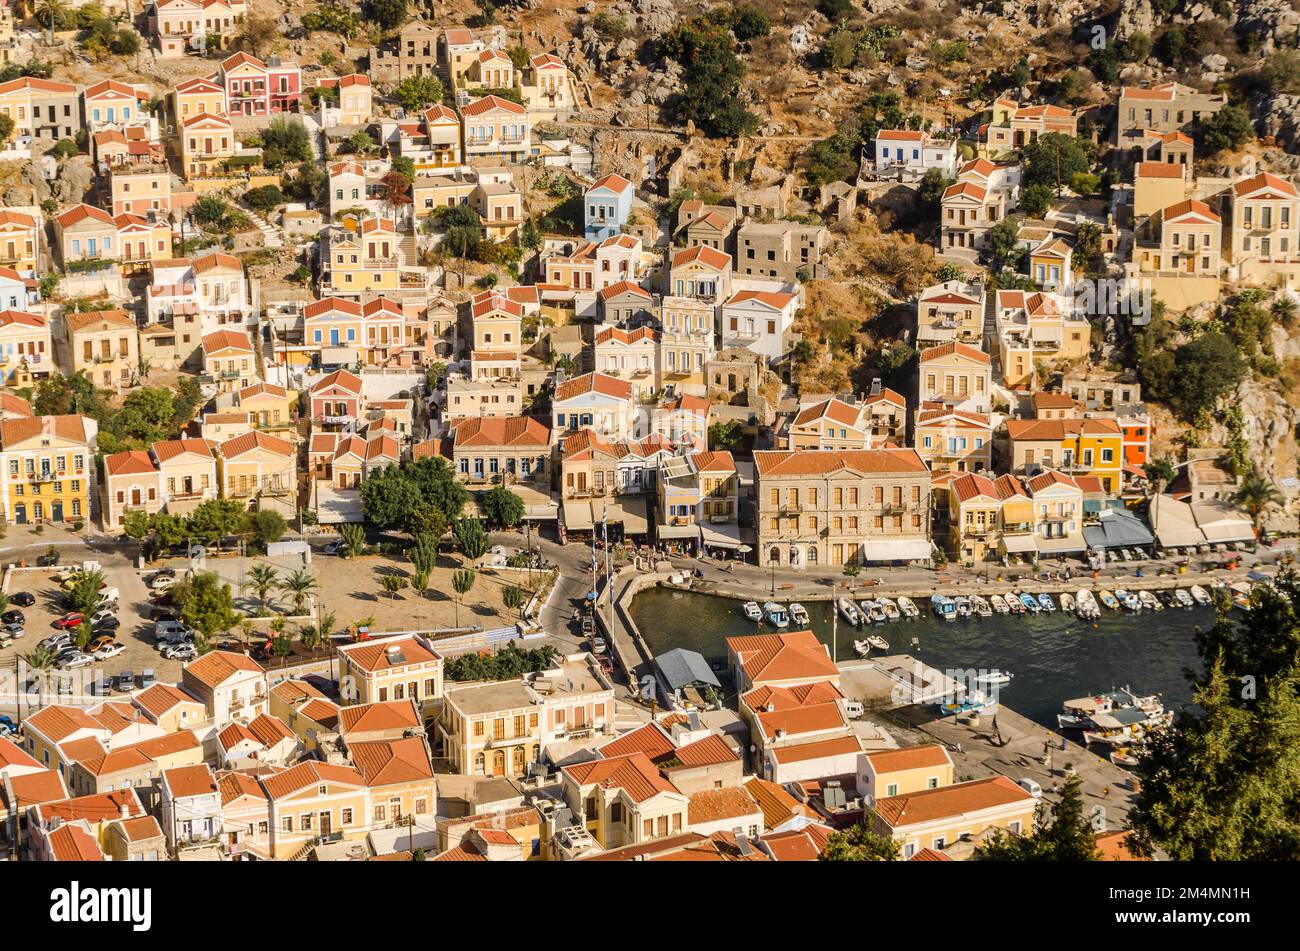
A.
pixel 135 633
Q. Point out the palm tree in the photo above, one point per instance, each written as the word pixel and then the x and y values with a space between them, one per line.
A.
pixel 353 537
pixel 40 657
pixel 262 580
pixel 512 598
pixel 299 583
pixel 461 582
pixel 48 13
pixel 1255 495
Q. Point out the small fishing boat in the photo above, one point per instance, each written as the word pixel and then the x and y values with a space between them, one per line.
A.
pixel 862 648
pixel 752 611
pixel 1046 603
pixel 1130 601
pixel 1240 591
pixel 849 611
pixel 799 614
pixel 1031 605
pixel 974 703
pixel 1109 600
pixel 943 607
pixel 1200 595
pixel 873 611
pixel 1067 602
pixel 878 642
pixel 776 614
pixel 980 606
pixel 1149 601
pixel 963 605
pixel 1086 605
pixel 890 608
pixel 999 604
pixel 1168 598
pixel 993 678
pixel 1184 599
pixel 1124 756
pixel 1013 603
pixel 1121 727
pixel 908 609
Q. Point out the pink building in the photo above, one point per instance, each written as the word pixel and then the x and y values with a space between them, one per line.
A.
pixel 256 88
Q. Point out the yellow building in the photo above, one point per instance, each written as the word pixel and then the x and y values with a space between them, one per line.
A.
pixel 259 470
pixel 953 440
pixel 271 406
pixel 206 141
pixel 1050 264
pixel 912 769
pixel 47 468
pixel 392 669
pixel 26 347
pixel 1033 327
pixel 937 818
pixel 956 374
pixel 106 345
pixel 198 96
pixel 365 260
pixel 624 800
pixel 19 241
pixel 1075 446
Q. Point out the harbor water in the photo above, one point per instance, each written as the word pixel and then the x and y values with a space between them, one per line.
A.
pixel 1052 657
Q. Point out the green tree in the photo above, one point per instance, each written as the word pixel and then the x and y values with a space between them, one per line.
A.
pixel 135 523
pixel 1053 159
pixel 1255 495
pixel 214 519
pixel 835 10
pixel 419 92
pixel 265 526
pixel 513 598
pixel 860 843
pixel 1223 783
pixel 125 43
pixel 264 199
pixel 727 436
pixel 748 22
pixel 1036 200
pixel 1228 129
pixel 427 519
pixel 389 14
pixel 387 496
pixel 258 33
pixel 1061 834
pixel 1002 243
pixel 1159 472
pixel 208 607
pixel 929 192
pixel 170 530
pixel 392 583
pixel 462 229
pixel 285 141
pixel 712 73
pixel 501 507
pixel 84 594
pixel 1209 367
pixel 262 579
pixel 298 584
pixel 462 581
pixel 40 658
pixel 470 537
pixel 353 537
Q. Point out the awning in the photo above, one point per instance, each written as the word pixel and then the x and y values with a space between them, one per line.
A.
pixel 678 531
pixel 1062 544
pixel 1016 544
pixel 901 549
pixel 724 535
pixel 333 355
pixel 577 515
pixel 1174 525
pixel 631 512
pixel 1117 529
pixel 1221 522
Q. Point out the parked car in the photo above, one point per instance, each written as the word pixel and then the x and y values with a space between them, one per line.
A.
pixel 71 619
pixel 15 629
pixel 147 679
pixel 99 641
pixel 23 599
pixel 109 623
pixel 13 617
pixel 332 548
pixel 125 681
pixel 162 612
pixel 164 628
pixel 57 641
pixel 111 649
pixel 162 583
pixel 7 724
pixel 182 651
pixel 74 659
pixel 175 639
pixel 109 596
pixel 100 687
pixel 161 573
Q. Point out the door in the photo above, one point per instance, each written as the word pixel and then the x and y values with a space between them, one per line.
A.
pixel 498 763
pixel 325 824
pixel 20 514
pixel 56 511
pixel 334 338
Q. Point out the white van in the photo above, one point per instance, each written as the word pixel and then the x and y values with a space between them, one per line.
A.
pixel 1031 787
pixel 109 596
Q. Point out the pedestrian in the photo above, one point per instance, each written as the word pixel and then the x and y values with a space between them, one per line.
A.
pixel 1106 793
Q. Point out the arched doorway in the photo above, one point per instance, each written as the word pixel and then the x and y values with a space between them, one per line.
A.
pixel 774 555
pixel 499 763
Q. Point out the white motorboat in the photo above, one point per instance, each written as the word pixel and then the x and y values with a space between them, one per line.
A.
pixel 999 604
pixel 1150 601
pixel 1085 605
pixel 908 609
pixel 878 642
pixel 1128 599
pixel 993 678
pixel 891 609
pixel 873 611
pixel 798 614
pixel 1184 599
pixel 864 646
pixel 962 603
pixel 776 614
pixel 1200 595
pixel 980 606
pixel 943 607
pixel 849 611
pixel 1067 602
pixel 752 611
pixel 1013 603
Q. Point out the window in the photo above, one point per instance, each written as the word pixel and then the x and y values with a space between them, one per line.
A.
pixel 891 789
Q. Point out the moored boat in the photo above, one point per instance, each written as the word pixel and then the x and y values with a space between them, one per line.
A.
pixel 1067 602
pixel 1086 605
pixel 973 703
pixel 1184 599
pixel 799 614
pixel 1130 601
pixel 993 678
pixel 1150 601
pixel 943 607
pixel 1031 605
pixel 999 604
pixel 890 608
pixel 873 611
pixel 1109 600
pixel 963 605
pixel 1046 603
pixel 752 611
pixel 776 614
pixel 980 606
pixel 849 611
pixel 1124 756
pixel 1013 603
pixel 908 608
pixel 878 642
pixel 1200 595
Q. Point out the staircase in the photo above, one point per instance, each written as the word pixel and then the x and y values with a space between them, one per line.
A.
pixel 315 135
pixel 271 235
